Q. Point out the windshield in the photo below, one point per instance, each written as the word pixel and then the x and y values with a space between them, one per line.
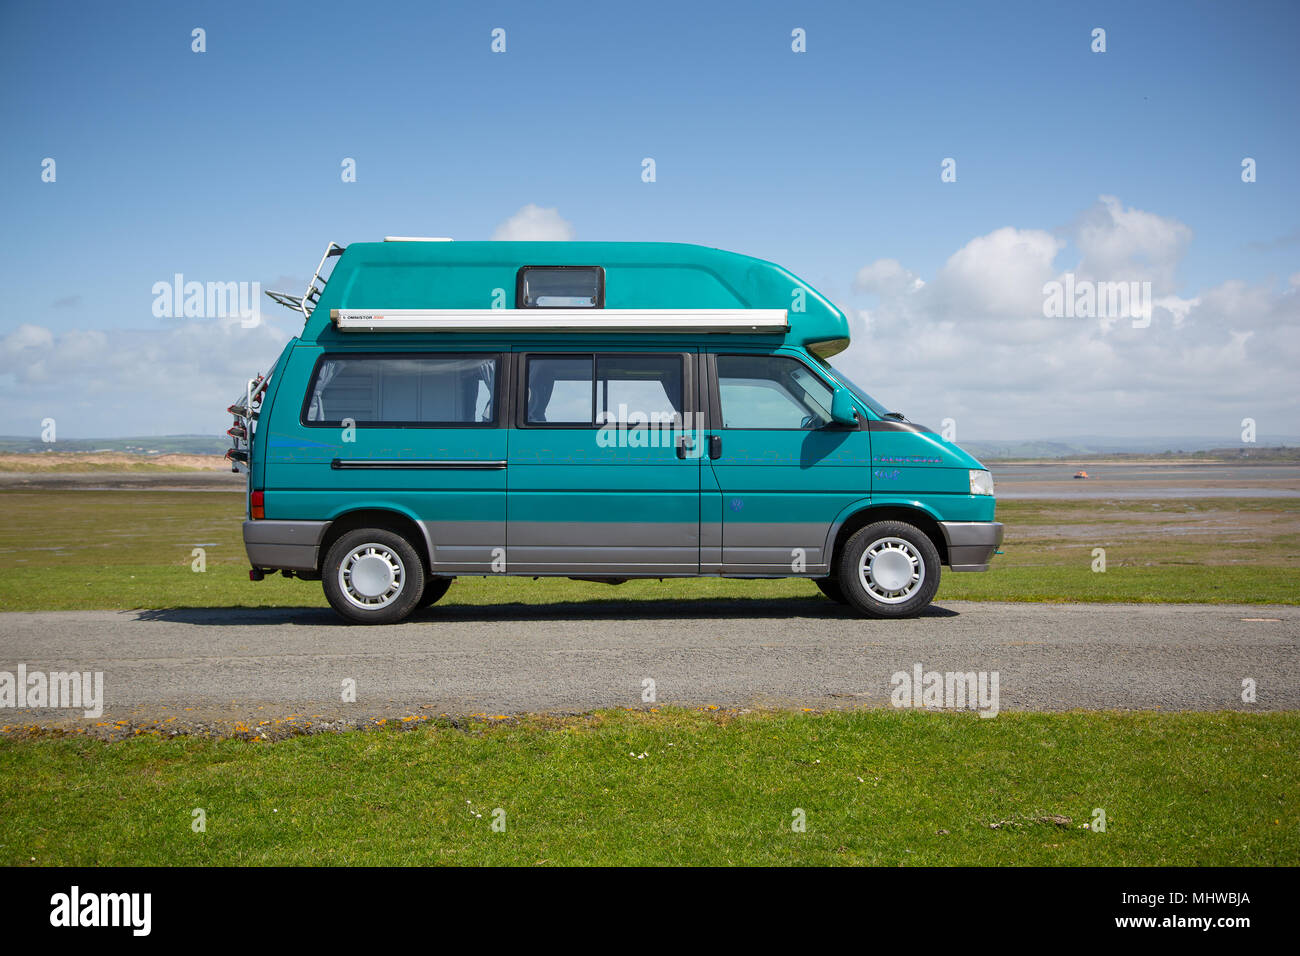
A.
pixel 853 387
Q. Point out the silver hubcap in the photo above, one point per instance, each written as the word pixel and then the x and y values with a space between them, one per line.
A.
pixel 372 576
pixel 891 570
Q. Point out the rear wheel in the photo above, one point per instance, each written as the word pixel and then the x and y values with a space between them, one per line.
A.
pixel 831 588
pixel 889 569
pixel 373 576
pixel 434 589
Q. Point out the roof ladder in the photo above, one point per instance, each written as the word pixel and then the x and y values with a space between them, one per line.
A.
pixel 306 303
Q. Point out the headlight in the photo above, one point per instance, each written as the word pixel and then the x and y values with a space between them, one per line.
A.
pixel 981 483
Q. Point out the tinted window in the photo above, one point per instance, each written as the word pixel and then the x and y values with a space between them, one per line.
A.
pixel 637 388
pixel 771 391
pixel 411 390
pixel 586 390
pixel 856 389
pixel 560 390
pixel 561 287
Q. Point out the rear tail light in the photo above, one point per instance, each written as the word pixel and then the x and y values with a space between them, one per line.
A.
pixel 257 505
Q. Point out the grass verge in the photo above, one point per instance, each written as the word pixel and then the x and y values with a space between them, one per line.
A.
pixel 676 787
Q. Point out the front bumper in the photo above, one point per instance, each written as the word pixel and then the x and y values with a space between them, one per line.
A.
pixel 284 545
pixel 971 543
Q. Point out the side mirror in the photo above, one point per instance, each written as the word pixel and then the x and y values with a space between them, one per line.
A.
pixel 842 410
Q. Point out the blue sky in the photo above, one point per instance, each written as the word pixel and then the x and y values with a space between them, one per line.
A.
pixel 225 165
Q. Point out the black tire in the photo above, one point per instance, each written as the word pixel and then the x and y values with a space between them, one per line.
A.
pixel 434 589
pixel 896 543
pixel 831 588
pixel 405 571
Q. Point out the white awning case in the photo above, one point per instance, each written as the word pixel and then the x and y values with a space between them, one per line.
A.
pixel 747 321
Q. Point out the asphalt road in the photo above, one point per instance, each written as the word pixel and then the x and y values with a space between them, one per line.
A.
pixel 204 668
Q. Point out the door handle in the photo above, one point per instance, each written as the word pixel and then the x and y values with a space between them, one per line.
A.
pixel 685 443
pixel 715 446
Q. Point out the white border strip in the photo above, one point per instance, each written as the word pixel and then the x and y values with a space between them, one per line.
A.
pixel 562 320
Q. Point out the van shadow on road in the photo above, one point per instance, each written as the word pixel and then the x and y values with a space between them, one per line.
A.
pixel 599 610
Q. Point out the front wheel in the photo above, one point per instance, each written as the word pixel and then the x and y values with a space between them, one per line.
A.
pixel 373 576
pixel 889 569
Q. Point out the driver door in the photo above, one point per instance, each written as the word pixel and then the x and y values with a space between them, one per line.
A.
pixel 782 471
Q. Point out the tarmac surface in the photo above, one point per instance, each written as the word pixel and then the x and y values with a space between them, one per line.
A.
pixel 285 669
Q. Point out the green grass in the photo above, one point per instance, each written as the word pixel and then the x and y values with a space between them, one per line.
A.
pixel 877 787
pixel 70 550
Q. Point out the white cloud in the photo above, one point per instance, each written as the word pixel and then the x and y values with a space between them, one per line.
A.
pixel 1119 244
pixel 533 223
pixel 999 274
pixel 886 277
pixel 175 379
pixel 972 343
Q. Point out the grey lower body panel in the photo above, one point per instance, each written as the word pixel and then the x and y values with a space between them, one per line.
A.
pixel 639 548
pixel 785 548
pixel 466 546
pixel 971 544
pixel 284 545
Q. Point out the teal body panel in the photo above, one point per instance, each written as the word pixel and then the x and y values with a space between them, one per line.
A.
pixel 257 453
pixel 579 508
pixel 638 275
pixel 770 504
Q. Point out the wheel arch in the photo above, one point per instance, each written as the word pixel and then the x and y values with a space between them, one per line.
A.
pixel 389 519
pixel 913 513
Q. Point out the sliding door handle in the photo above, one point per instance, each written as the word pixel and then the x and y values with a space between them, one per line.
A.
pixel 715 446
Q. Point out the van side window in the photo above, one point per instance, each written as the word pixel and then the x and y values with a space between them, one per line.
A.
pixel 771 391
pixel 560 390
pixel 587 390
pixel 446 389
pixel 638 388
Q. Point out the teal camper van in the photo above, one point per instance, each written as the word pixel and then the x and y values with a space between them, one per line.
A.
pixel 593 410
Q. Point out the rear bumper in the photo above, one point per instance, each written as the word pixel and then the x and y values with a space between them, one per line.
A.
pixel 284 545
pixel 971 543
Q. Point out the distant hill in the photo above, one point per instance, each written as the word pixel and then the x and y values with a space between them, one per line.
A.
pixel 150 445
pixel 1276 449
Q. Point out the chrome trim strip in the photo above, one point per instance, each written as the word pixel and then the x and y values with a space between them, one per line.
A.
pixel 417 464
